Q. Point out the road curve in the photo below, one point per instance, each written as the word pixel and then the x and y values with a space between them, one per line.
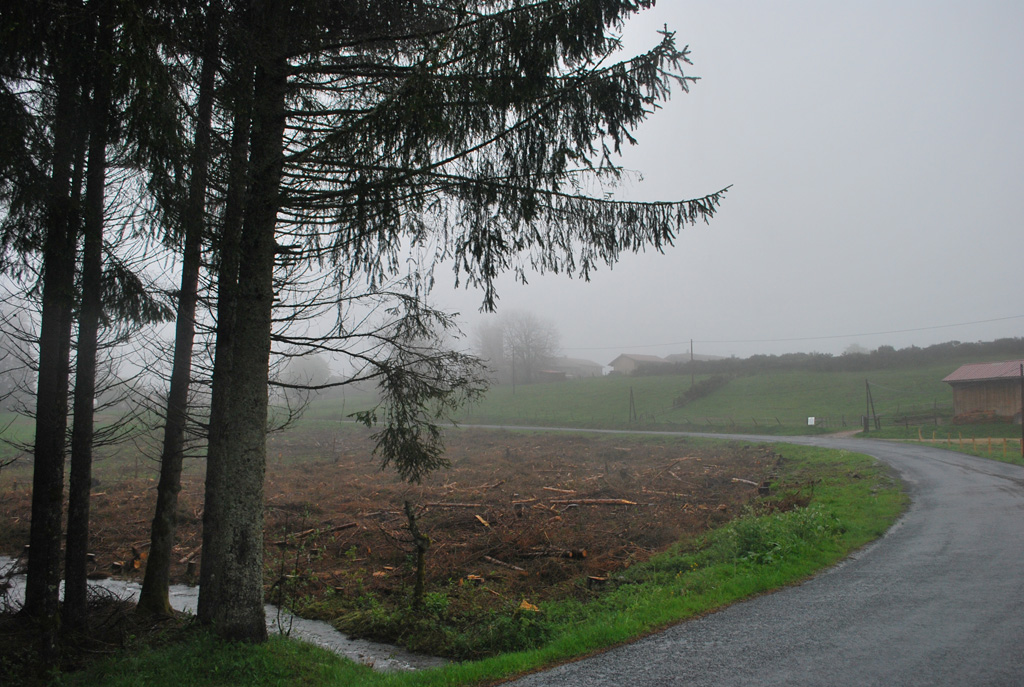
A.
pixel 939 600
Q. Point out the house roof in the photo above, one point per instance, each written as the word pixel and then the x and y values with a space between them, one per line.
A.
pixel 573 362
pixel 977 372
pixel 637 357
pixel 685 357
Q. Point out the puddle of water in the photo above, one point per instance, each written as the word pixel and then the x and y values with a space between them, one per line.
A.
pixel 383 657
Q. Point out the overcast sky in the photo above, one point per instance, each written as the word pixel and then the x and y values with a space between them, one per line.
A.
pixel 876 156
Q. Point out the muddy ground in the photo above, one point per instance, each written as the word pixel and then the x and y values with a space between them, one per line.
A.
pixel 519 514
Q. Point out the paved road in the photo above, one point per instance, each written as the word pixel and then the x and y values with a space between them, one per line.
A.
pixel 938 601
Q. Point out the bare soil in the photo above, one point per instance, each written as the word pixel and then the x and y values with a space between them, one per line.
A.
pixel 518 514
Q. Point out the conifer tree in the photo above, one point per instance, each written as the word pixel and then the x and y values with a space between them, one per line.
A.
pixel 61 65
pixel 471 128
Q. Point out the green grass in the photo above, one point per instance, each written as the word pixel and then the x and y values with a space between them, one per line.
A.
pixel 996 430
pixel 996 441
pixel 770 402
pixel 201 660
pixel 853 500
pixel 776 403
pixel 14 428
pixel 332 409
pixel 993 450
pixel 1000 442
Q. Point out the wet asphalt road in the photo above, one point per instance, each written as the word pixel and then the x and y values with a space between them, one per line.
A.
pixel 939 600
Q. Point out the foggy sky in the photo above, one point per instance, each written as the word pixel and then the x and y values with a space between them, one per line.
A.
pixel 876 156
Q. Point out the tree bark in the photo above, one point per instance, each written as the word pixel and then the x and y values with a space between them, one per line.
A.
pixel 43 573
pixel 80 484
pixel 227 275
pixel 234 554
pixel 154 597
pixel 227 287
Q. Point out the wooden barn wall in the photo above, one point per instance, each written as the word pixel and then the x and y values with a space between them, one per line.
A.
pixel 1000 397
pixel 626 367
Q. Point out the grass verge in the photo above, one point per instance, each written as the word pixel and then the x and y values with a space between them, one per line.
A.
pixel 824 505
pixel 996 441
pixel 201 660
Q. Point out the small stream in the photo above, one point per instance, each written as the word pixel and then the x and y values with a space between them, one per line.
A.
pixel 383 657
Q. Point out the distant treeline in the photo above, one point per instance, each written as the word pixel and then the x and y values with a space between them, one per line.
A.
pixel 883 357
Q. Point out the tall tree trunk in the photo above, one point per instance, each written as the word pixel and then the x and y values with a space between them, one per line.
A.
pixel 80 483
pixel 227 287
pixel 236 551
pixel 154 596
pixel 43 574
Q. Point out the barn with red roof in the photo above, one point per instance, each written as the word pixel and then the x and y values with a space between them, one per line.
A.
pixel 988 389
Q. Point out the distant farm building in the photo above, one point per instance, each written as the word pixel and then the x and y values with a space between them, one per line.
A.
pixel 987 390
pixel 571 368
pixel 687 357
pixel 628 363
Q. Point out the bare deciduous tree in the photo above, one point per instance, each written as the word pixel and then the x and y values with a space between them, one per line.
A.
pixel 515 346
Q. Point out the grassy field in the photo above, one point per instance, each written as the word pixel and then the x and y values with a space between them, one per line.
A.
pixel 14 429
pixel 770 402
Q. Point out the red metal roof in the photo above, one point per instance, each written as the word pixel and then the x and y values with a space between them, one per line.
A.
pixel 976 372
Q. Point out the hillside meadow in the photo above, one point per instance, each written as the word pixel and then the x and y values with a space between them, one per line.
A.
pixel 766 402
pixel 911 401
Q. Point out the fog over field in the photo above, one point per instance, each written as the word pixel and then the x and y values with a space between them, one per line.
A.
pixel 876 156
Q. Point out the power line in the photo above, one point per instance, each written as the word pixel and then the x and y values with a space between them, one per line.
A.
pixel 802 338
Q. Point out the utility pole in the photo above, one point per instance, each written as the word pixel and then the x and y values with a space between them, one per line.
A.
pixel 867 404
pixel 691 363
pixel 1022 409
pixel 869 409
